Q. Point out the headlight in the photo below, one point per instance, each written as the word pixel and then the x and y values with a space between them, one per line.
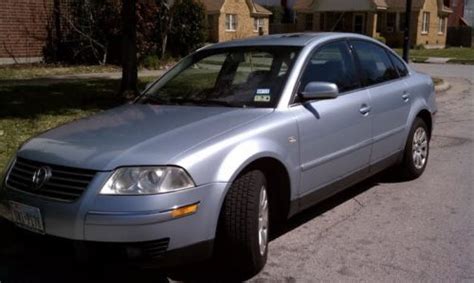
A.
pixel 147 181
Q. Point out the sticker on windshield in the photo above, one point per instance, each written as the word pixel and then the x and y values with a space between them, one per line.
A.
pixel 262 95
pixel 263 91
pixel 262 98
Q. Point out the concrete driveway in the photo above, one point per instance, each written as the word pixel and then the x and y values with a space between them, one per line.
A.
pixel 380 230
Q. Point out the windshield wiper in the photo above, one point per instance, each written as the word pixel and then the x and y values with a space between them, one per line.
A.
pixel 156 100
pixel 202 102
pixel 182 101
pixel 219 102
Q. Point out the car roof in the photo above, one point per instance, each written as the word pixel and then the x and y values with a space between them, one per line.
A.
pixel 286 39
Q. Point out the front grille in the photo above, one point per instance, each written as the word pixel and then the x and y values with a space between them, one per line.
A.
pixel 64 184
pixel 151 251
pixel 154 249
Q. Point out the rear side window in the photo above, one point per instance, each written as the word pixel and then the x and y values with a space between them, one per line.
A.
pixel 399 65
pixel 333 64
pixel 374 62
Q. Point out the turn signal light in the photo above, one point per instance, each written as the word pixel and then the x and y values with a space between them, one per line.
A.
pixel 184 210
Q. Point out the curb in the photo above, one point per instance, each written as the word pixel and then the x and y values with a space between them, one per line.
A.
pixel 442 87
pixel 450 62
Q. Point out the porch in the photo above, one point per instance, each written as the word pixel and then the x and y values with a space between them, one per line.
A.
pixel 357 22
pixel 389 25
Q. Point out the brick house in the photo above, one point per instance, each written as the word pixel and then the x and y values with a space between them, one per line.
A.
pixel 377 18
pixel 457 19
pixel 460 30
pixel 24 30
pixel 233 19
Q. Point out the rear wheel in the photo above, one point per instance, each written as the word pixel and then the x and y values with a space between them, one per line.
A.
pixel 244 225
pixel 416 152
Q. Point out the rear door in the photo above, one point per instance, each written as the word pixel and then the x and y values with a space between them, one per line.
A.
pixel 389 96
pixel 334 134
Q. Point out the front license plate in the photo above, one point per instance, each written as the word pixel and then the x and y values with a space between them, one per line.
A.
pixel 27 217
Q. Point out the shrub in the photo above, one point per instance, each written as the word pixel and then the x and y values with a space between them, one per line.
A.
pixel 381 39
pixel 151 62
pixel 420 47
pixel 154 62
pixel 189 29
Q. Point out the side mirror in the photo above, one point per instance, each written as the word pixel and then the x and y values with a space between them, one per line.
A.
pixel 319 90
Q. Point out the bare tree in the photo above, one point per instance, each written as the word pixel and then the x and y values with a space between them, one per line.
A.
pixel 83 20
pixel 129 87
pixel 98 49
pixel 165 23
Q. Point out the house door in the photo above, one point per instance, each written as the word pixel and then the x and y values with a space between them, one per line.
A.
pixel 359 23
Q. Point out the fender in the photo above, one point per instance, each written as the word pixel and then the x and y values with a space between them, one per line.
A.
pixel 250 151
pixel 418 106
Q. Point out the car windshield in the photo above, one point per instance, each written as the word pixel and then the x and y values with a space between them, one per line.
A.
pixel 230 77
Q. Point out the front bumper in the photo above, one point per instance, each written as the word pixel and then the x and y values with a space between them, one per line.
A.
pixel 96 218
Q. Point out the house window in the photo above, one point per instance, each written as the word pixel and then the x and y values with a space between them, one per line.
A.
pixel 442 25
pixel 231 22
pixel 391 22
pixel 257 24
pixel 425 24
pixel 309 22
pixel 380 20
pixel 401 21
pixel 322 21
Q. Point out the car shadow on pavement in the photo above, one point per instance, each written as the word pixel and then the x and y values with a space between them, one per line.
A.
pixel 34 261
pixel 388 176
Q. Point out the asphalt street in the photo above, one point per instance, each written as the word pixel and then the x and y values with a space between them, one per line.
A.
pixel 377 231
pixel 386 230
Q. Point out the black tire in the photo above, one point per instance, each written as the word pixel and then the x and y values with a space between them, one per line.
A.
pixel 238 232
pixel 408 169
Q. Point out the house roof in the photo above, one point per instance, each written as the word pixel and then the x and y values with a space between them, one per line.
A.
pixel 215 6
pixel 310 5
pixel 259 9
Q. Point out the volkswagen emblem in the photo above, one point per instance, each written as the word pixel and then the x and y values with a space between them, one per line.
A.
pixel 41 176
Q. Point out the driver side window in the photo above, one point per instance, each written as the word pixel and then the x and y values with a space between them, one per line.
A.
pixel 333 64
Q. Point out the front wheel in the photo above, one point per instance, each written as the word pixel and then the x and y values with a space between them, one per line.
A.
pixel 244 225
pixel 417 150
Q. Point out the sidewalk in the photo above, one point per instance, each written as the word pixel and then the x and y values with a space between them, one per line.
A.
pixel 55 79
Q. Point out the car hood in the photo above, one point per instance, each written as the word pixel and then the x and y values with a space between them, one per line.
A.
pixel 135 135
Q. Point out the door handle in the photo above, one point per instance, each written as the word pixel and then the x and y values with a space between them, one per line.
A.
pixel 365 109
pixel 406 96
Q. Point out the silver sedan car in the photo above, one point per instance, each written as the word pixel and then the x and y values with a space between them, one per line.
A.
pixel 220 151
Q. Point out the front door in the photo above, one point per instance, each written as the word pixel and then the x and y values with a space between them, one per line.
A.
pixel 389 96
pixel 359 23
pixel 335 134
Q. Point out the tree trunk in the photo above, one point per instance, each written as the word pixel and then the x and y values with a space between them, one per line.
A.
pixel 164 43
pixel 129 88
pixel 58 39
pixel 165 25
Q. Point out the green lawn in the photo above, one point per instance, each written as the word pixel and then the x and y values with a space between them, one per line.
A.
pixel 27 110
pixel 456 53
pixel 29 71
